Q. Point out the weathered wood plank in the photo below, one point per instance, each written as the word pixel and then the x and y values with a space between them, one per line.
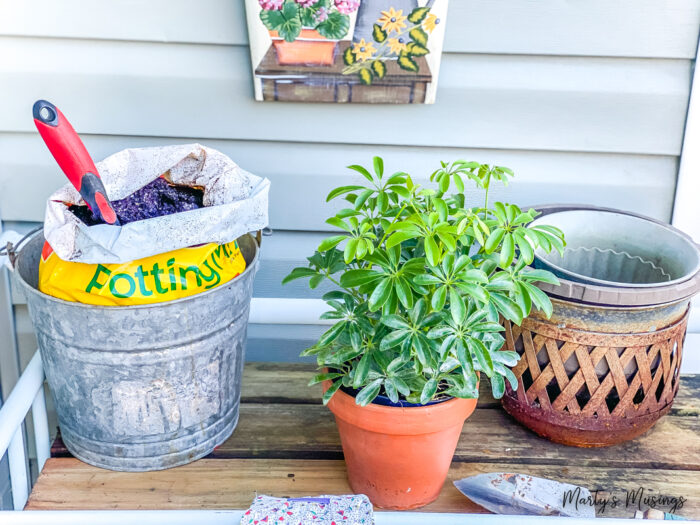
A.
pixel 509 102
pixel 309 432
pixel 287 383
pixel 290 386
pixel 67 483
pixel 642 28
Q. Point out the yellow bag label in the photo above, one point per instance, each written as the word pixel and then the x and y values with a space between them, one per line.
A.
pixel 154 279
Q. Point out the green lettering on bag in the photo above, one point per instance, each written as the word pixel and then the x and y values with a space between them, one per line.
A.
pixel 94 283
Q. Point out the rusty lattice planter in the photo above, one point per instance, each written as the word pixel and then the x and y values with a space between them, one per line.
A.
pixel 606 366
pixel 591 388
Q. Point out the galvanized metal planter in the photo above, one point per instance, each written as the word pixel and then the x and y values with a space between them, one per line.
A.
pixel 143 387
pixel 605 367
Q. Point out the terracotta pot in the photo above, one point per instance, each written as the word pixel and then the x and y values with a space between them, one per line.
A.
pixel 309 49
pixel 399 456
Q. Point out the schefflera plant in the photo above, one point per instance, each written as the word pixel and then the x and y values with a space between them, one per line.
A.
pixel 423 281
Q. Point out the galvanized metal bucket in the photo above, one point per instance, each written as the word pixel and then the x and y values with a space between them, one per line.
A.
pixel 143 387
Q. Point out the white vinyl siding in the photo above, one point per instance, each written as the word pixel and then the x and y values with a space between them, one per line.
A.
pixel 586 101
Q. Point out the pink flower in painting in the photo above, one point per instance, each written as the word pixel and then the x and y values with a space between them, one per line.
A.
pixel 271 5
pixel 321 14
pixel 347 6
pixel 306 3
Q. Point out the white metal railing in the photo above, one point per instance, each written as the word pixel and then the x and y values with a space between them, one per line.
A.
pixel 27 395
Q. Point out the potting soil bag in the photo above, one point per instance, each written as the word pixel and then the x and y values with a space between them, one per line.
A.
pixel 164 277
pixel 234 202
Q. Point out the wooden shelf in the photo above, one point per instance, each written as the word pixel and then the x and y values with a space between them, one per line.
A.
pixel 286 444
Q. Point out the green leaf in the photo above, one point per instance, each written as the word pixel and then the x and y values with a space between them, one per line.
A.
pixel 507 251
pixel 368 393
pixel 429 391
pixel 353 278
pixel 540 275
pixel 350 249
pixel 339 223
pixel 494 240
pixel 362 171
pixel 426 279
pixel 378 34
pixel 365 76
pixel 418 15
pixel 407 63
pixel 315 281
pixel 498 386
pixel 393 339
pixel 332 334
pixel 540 299
pixel 419 36
pixel 349 57
pixel 341 190
pixel 439 298
pixel 419 50
pixel 395 321
pixel 362 198
pixel 285 21
pixel 474 290
pixel 526 251
pixel 378 166
pixel 298 273
pixel 308 16
pixel 507 307
pixel 391 390
pixel 335 26
pixel 432 252
pixel 482 355
pixel 328 394
pixel 404 293
pixel 381 294
pixel 320 378
pixel 361 371
pixel 508 374
pixel 457 307
pixel 331 242
pixel 378 68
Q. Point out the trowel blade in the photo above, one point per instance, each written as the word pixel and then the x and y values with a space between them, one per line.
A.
pixel 508 493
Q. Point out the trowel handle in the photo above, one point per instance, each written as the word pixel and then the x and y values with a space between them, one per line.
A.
pixel 75 161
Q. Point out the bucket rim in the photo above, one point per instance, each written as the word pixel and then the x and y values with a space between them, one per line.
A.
pixel 252 266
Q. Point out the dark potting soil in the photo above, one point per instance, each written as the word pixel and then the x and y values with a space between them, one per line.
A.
pixel 155 199
pixel 384 400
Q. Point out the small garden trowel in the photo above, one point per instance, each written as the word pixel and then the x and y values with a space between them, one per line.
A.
pixel 506 493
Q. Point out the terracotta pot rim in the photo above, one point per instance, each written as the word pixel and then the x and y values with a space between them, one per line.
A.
pixel 401 420
pixel 307 35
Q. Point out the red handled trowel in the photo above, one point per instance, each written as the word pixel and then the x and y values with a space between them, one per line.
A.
pixel 75 161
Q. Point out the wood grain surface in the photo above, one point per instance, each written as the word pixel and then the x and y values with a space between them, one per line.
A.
pixel 287 444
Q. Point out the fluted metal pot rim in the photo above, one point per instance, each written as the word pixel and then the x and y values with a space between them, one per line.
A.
pixel 26 287
pixel 619 294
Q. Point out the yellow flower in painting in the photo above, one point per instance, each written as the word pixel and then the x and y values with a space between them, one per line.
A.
pixel 392 20
pixel 363 50
pixel 396 46
pixel 430 22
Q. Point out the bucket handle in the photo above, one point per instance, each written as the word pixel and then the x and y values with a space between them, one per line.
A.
pixel 10 249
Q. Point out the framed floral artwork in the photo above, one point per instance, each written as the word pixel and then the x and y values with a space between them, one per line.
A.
pixel 346 51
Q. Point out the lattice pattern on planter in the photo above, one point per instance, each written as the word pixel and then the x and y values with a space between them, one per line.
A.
pixel 596 374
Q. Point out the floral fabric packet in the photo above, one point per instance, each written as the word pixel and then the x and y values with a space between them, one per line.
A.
pixel 321 510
